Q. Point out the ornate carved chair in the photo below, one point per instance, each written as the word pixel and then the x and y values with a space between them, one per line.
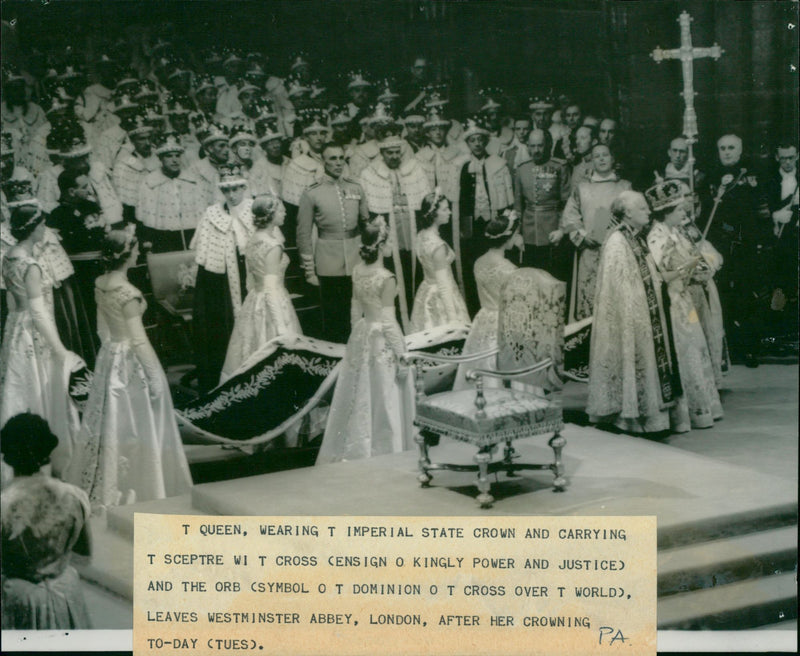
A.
pixel 530 360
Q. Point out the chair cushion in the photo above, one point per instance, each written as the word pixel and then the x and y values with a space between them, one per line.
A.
pixel 510 414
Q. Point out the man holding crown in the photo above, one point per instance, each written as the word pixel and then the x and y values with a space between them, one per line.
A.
pixel 170 203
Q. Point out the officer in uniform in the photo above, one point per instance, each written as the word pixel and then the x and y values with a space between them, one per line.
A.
pixel 541 187
pixel 334 205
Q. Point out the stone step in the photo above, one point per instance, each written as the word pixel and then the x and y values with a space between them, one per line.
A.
pixel 741 605
pixel 106 609
pixel 120 519
pixel 111 563
pixel 727 525
pixel 720 562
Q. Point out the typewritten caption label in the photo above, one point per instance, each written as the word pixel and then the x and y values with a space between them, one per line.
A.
pixel 394 585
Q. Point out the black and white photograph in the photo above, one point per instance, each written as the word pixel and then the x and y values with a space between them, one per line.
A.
pixel 400 258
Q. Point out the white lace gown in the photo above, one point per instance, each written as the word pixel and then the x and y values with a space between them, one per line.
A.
pixel 438 300
pixel 267 311
pixel 700 404
pixel 32 379
pixel 491 272
pixel 370 413
pixel 128 441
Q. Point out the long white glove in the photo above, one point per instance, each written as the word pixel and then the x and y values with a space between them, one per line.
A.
pixel 391 331
pixel 445 289
pixel 272 294
pixel 46 326
pixel 147 356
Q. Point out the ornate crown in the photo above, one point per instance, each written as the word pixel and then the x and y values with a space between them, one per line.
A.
pixel 178 105
pixel 491 95
pixel 230 175
pixel 67 138
pixel 541 102
pixel 255 73
pixel 267 128
pixel 357 79
pixel 136 124
pixel 231 56
pixel 246 85
pixel 213 132
pixel 127 78
pixel 340 116
pixel 386 92
pixel 241 132
pixel 299 60
pixel 435 96
pixel 59 103
pixel 294 87
pixel 475 125
pixel 205 82
pixel 313 119
pixel 435 119
pixel 317 89
pixel 168 143
pixel 380 115
pixel 124 104
pixel 666 194
pixel 389 135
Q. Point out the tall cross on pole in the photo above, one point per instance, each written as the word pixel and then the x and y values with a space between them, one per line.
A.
pixel 687 54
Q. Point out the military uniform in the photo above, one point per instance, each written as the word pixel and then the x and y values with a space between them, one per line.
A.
pixel 334 207
pixel 540 191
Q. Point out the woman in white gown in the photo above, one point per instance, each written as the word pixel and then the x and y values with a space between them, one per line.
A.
pixel 34 364
pixel 492 269
pixel 700 405
pixel 267 312
pixel 369 414
pixel 438 300
pixel 129 447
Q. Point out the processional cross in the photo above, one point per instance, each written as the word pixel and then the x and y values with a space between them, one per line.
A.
pixel 687 54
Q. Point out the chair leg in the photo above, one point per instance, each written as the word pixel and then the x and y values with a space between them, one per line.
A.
pixel 557 443
pixel 509 453
pixel 484 486
pixel 423 477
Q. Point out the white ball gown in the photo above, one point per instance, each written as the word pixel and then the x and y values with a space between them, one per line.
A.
pixel 33 378
pixel 370 412
pixel 129 439
pixel 438 300
pixel 267 312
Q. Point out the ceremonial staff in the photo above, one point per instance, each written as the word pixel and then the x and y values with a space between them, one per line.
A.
pixel 687 54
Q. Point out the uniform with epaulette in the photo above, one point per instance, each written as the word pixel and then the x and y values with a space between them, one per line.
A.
pixel 540 191
pixel 334 206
